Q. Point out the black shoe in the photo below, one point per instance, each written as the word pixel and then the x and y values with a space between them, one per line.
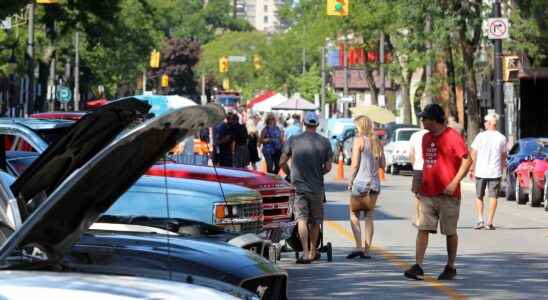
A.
pixel 448 273
pixel 415 272
pixel 354 254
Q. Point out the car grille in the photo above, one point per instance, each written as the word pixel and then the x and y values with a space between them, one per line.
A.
pixel 250 210
pixel 276 207
pixel 268 287
pixel 251 227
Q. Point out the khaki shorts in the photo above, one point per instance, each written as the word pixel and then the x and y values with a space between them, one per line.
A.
pixel 364 203
pixel 440 209
pixel 417 181
pixel 309 206
pixel 492 185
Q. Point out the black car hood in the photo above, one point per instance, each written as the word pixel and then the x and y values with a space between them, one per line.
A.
pixel 81 143
pixel 89 191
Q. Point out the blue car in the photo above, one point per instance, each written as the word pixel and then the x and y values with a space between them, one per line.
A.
pixel 523 149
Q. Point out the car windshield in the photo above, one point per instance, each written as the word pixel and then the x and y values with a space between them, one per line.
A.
pixel 405 135
pixel 156 205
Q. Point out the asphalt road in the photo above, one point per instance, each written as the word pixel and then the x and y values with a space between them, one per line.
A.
pixel 510 262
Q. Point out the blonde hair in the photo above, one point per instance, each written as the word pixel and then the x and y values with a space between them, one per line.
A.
pixel 365 129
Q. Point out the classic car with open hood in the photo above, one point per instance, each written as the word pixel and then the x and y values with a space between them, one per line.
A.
pixel 51 227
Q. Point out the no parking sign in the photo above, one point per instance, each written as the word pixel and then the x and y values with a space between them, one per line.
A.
pixel 497 28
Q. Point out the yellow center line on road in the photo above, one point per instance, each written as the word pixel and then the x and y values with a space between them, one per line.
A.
pixel 433 282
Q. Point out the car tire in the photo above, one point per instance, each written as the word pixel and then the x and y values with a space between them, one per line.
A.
pixel 521 197
pixel 510 182
pixel 535 193
pixel 393 169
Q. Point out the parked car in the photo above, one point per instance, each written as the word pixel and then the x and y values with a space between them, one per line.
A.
pixel 62 115
pixel 523 149
pixel 346 141
pixel 529 176
pixel 22 285
pixel 277 194
pixel 25 134
pixel 391 127
pixel 144 251
pixel 397 151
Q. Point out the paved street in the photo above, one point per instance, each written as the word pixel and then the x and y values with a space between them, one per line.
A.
pixel 508 263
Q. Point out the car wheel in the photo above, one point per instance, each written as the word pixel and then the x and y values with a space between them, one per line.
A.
pixel 535 193
pixel 510 182
pixel 521 197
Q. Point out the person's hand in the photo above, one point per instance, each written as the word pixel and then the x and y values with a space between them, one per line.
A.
pixel 450 188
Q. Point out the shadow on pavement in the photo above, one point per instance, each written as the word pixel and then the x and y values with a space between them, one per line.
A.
pixel 340 212
pixel 489 275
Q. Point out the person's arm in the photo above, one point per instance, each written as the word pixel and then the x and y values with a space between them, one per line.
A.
pixel 262 138
pixel 283 161
pixel 459 148
pixel 356 159
pixel 474 156
pixel 411 154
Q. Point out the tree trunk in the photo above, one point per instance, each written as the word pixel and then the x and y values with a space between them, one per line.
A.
pixel 373 89
pixel 472 105
pixel 406 99
pixel 451 79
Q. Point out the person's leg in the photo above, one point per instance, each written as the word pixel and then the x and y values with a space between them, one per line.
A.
pixel 452 245
pixel 314 235
pixel 356 231
pixel 480 193
pixel 269 163
pixel 276 162
pixel 493 188
pixel 303 235
pixel 421 245
pixel 371 201
pixel 417 209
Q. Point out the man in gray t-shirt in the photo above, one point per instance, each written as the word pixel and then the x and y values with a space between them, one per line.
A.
pixel 310 155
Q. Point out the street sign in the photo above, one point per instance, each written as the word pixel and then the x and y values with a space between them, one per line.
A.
pixel 497 28
pixel 237 58
pixel 64 94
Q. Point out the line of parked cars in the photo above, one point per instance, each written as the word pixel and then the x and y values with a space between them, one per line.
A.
pixel 76 197
pixel 527 172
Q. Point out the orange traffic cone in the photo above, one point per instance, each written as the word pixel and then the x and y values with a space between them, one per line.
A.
pixel 381 174
pixel 340 168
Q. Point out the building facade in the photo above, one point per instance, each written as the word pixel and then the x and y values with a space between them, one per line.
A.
pixel 262 14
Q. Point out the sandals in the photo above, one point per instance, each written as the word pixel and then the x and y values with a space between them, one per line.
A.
pixel 355 254
pixel 303 261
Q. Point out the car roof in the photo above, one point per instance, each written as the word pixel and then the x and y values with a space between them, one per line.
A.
pixel 38 124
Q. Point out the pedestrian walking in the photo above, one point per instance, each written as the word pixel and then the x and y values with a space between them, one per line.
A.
pixel 489 157
pixel 415 154
pixel 252 144
pixel 241 151
pixel 224 142
pixel 271 140
pixel 446 163
pixel 310 155
pixel 295 128
pixel 365 185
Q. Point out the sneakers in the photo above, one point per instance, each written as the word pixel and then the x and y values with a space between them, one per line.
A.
pixel 448 273
pixel 489 227
pixel 415 272
pixel 479 225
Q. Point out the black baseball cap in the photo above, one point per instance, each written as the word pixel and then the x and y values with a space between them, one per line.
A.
pixel 433 112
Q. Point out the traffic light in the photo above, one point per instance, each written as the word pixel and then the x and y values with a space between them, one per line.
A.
pixel 226 84
pixel 257 62
pixel 155 59
pixel 165 81
pixel 510 68
pixel 337 8
pixel 223 64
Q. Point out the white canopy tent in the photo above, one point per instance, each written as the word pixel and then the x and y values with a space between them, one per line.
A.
pixel 267 104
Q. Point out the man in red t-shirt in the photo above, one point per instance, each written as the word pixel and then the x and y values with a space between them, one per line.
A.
pixel 446 162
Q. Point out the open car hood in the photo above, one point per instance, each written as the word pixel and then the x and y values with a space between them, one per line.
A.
pixel 81 143
pixel 89 191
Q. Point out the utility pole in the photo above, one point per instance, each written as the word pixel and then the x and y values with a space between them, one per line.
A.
pixel 429 63
pixel 499 104
pixel 76 71
pixel 345 66
pixel 203 99
pixel 382 99
pixel 28 104
pixel 322 92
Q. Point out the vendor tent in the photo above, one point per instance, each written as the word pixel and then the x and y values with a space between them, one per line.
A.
pixel 161 104
pixel 267 104
pixel 295 103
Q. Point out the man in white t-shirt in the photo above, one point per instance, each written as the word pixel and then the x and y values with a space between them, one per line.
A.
pixel 415 154
pixel 489 160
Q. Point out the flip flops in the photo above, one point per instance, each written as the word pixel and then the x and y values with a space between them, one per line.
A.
pixel 354 254
pixel 303 261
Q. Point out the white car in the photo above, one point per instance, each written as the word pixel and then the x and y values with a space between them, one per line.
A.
pixel 397 150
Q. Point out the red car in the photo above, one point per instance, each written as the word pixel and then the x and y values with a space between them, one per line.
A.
pixel 277 194
pixel 530 181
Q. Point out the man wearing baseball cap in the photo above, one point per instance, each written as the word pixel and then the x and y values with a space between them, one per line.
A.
pixel 310 155
pixel 489 157
pixel 446 162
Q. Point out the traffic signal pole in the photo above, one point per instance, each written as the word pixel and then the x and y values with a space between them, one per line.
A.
pixel 499 104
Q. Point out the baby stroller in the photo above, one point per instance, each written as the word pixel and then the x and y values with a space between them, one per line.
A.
pixel 294 242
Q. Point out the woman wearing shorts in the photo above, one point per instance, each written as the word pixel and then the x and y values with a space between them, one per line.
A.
pixel 367 158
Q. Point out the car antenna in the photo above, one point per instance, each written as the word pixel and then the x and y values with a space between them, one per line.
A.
pixel 222 192
pixel 170 268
